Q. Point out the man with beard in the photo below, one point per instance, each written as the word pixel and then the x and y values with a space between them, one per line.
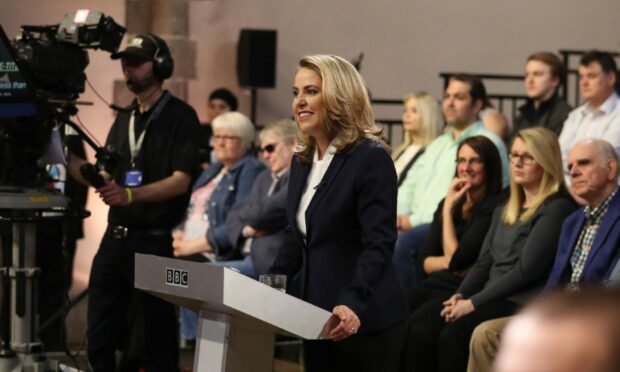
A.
pixel 147 193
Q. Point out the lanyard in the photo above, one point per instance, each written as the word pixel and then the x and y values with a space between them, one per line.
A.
pixel 134 147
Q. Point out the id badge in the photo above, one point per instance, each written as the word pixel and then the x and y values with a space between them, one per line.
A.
pixel 133 178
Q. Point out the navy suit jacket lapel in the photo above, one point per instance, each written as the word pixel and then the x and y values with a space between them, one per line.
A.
pixel 329 178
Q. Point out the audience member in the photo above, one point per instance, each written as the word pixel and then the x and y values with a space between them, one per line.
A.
pixel 419 196
pixel 514 260
pixel 461 220
pixel 220 101
pixel 203 234
pixel 257 224
pixel 341 212
pixel 590 239
pixel 599 117
pixel 589 243
pixel 564 332
pixel 544 74
pixel 494 120
pixel 422 123
pixel 147 193
pixel 218 188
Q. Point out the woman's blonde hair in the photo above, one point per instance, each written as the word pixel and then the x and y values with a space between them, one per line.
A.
pixel 543 145
pixel 431 122
pixel 348 116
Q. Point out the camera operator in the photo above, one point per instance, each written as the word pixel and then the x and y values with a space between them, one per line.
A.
pixel 147 193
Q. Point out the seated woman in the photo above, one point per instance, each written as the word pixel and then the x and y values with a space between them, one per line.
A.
pixel 203 235
pixel 461 220
pixel 256 225
pixel 516 257
pixel 422 122
pixel 218 188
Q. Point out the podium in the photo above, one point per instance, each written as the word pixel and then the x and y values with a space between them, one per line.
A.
pixel 238 316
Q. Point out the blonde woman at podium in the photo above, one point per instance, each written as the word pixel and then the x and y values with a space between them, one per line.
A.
pixel 341 212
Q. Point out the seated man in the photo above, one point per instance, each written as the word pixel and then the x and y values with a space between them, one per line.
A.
pixel 599 117
pixel 589 245
pixel 544 75
pixel 256 225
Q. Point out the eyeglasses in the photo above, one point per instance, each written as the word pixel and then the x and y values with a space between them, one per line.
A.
pixel 470 161
pixel 268 148
pixel 525 158
pixel 218 137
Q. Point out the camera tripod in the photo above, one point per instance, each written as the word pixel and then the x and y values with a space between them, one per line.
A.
pixel 23 209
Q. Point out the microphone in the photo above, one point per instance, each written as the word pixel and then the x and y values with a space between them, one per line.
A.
pixel 139 85
pixel 129 108
pixel 140 81
pixel 319 185
pixel 136 86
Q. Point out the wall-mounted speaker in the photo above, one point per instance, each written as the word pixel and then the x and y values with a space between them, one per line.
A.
pixel 256 58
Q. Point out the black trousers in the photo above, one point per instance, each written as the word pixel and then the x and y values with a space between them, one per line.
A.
pixel 372 352
pixel 123 318
pixel 437 285
pixel 434 345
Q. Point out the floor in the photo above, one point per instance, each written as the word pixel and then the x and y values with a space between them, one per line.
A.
pixel 287 359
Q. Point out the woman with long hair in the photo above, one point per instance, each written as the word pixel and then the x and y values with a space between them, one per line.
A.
pixel 422 123
pixel 461 220
pixel 341 211
pixel 514 261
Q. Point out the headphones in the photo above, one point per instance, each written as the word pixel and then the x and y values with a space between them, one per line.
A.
pixel 163 64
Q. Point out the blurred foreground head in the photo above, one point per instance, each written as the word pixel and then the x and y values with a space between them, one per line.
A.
pixel 562 332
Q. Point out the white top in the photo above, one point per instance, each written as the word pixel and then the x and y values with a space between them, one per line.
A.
pixel 405 157
pixel 319 167
pixel 582 123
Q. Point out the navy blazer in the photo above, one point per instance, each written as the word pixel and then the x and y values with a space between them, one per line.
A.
pixel 603 254
pixel 346 256
pixel 232 188
pixel 262 212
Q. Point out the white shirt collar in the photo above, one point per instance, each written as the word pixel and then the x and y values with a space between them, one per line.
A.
pixel 607 107
pixel 329 154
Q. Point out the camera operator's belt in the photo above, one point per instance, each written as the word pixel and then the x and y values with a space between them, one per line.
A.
pixel 123 232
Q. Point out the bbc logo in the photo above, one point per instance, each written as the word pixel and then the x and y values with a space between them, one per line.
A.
pixel 177 278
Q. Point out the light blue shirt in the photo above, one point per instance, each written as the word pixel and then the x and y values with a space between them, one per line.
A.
pixel 430 176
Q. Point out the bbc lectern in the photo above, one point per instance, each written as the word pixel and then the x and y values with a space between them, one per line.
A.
pixel 238 316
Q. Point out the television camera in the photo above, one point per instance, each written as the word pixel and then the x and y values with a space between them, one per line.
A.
pixel 42 74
